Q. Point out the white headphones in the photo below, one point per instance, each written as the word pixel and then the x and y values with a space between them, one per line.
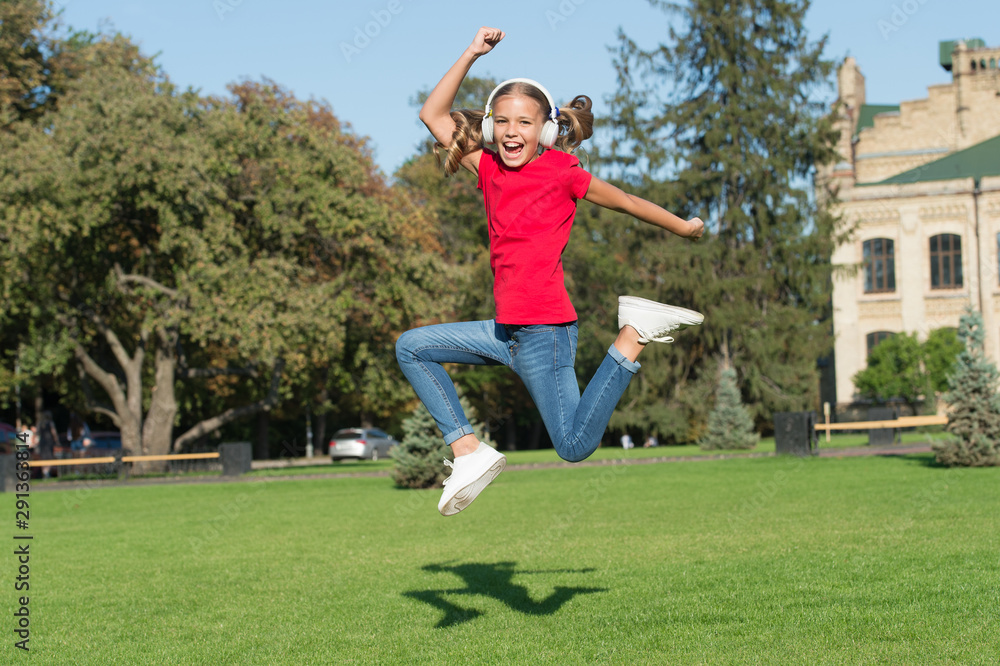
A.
pixel 550 130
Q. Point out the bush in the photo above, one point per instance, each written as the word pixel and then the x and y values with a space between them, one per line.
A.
pixel 419 457
pixel 729 424
pixel 974 415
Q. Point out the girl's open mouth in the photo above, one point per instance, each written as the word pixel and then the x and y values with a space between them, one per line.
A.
pixel 512 149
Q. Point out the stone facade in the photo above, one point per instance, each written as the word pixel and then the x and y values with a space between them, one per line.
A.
pixel 914 217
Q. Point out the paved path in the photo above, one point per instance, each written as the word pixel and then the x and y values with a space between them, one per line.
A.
pixel 891 450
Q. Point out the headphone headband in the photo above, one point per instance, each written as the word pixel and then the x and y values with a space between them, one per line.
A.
pixel 553 109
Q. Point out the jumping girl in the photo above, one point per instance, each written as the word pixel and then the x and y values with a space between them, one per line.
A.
pixel 530 191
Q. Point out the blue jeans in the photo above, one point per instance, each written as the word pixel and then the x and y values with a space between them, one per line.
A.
pixel 542 356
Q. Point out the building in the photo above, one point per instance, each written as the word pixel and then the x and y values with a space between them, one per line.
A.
pixel 920 182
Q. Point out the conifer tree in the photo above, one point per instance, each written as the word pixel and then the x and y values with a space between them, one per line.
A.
pixel 974 416
pixel 725 120
pixel 419 456
pixel 729 424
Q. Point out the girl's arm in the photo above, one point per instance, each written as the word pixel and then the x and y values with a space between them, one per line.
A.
pixel 436 111
pixel 607 195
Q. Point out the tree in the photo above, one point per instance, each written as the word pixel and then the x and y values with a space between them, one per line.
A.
pixel 895 370
pixel 418 457
pixel 721 122
pixel 974 414
pixel 35 64
pixel 941 349
pixel 902 367
pixel 151 231
pixel 729 425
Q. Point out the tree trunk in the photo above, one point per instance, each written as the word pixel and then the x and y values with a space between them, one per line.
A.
pixel 158 429
pixel 39 408
pixel 510 433
pixel 319 432
pixel 127 404
pixel 261 446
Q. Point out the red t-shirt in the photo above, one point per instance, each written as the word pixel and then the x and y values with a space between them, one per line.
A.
pixel 530 212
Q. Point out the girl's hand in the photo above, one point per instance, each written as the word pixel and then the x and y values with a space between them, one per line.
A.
pixel 485 40
pixel 697 228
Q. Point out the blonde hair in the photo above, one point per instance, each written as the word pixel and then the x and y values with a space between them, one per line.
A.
pixel 576 124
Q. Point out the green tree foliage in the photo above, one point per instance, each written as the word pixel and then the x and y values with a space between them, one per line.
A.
pixel 941 349
pixel 895 369
pixel 729 424
pixel 38 59
pixel 418 458
pixel 722 121
pixel 902 367
pixel 35 67
pixel 153 231
pixel 974 413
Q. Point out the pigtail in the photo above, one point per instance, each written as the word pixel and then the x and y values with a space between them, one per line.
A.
pixel 467 138
pixel 576 124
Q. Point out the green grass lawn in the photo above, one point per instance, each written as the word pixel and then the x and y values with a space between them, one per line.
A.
pixel 771 560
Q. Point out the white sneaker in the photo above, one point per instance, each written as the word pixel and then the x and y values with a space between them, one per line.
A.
pixel 654 321
pixel 470 474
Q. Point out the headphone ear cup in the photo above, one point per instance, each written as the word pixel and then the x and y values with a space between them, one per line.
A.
pixel 487 129
pixel 549 134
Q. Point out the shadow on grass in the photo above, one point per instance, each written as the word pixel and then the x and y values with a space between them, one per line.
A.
pixel 494 580
pixel 922 459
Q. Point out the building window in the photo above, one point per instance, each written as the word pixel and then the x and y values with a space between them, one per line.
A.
pixel 880 265
pixel 946 261
pixel 873 339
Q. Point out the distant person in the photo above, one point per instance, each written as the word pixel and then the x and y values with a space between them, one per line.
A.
pixel 520 148
pixel 627 442
pixel 48 438
pixel 651 441
pixel 78 433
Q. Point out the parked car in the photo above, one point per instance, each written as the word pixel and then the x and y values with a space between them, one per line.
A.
pixel 8 438
pixel 361 443
pixel 98 445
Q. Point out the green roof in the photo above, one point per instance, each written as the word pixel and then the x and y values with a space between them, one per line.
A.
pixel 866 116
pixel 982 159
pixel 946 48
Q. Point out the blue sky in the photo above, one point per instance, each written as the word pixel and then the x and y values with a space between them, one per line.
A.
pixel 321 49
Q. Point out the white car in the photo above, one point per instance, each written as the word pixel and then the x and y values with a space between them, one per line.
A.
pixel 361 444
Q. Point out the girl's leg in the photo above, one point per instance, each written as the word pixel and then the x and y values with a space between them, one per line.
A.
pixel 544 358
pixel 421 352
